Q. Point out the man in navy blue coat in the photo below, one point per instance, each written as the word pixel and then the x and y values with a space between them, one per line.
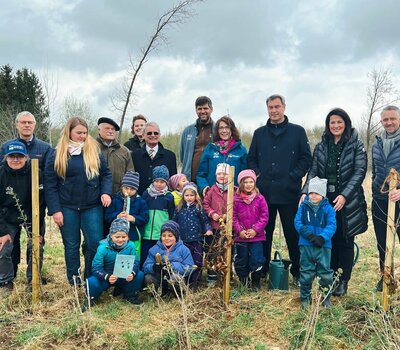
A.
pixel 280 156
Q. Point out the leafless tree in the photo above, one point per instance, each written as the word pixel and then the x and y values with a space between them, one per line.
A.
pixel 381 92
pixel 176 16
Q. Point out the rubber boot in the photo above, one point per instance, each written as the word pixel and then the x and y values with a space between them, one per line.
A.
pixel 327 302
pixel 341 289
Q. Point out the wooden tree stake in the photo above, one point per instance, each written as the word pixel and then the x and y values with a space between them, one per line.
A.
pixel 228 251
pixel 35 232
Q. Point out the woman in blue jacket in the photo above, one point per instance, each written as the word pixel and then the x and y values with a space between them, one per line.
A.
pixel 78 183
pixel 225 148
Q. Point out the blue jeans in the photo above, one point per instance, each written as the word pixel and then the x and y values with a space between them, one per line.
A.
pixel 249 257
pixel 129 289
pixel 90 221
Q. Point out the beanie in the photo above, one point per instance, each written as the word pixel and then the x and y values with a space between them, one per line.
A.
pixel 120 224
pixel 247 173
pixel 318 185
pixel 161 173
pixel 174 181
pixel 189 186
pixel 172 227
pixel 222 168
pixel 131 179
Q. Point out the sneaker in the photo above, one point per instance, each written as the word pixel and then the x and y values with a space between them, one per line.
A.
pixel 296 282
pixel 379 285
pixel 135 300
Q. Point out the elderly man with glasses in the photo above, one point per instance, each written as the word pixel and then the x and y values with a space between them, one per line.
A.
pixel 152 154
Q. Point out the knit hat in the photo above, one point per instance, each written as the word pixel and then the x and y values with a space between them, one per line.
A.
pixel 189 186
pixel 247 173
pixel 131 179
pixel 161 173
pixel 172 227
pixel 174 181
pixel 318 185
pixel 15 147
pixel 120 224
pixel 222 168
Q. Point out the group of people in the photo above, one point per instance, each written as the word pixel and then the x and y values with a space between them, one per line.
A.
pixel 131 200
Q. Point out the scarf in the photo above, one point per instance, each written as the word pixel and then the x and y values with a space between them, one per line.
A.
pixel 155 193
pixel 248 198
pixel 388 141
pixel 225 146
pixel 115 246
pixel 75 148
pixel 222 187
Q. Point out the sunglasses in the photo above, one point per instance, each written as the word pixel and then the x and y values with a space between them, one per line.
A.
pixel 155 133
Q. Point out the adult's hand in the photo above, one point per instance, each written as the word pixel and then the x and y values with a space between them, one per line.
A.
pixel 58 218
pixel 302 197
pixel 4 240
pixel 105 200
pixel 339 202
pixel 395 195
pixel 205 190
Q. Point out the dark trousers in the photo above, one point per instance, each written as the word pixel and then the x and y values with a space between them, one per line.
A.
pixel 314 262
pixel 144 250
pixel 249 257
pixel 342 247
pixel 196 248
pixel 379 218
pixel 287 213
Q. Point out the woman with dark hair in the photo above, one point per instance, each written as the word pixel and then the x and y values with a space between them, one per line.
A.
pixel 340 157
pixel 137 141
pixel 226 147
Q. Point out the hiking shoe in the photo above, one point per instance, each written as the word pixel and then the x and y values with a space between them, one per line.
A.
pixel 296 282
pixel 327 302
pixel 379 285
pixel 117 291
pixel 135 300
pixel 255 285
pixel 87 304
pixel 341 289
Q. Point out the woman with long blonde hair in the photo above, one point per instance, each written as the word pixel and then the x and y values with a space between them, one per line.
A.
pixel 78 183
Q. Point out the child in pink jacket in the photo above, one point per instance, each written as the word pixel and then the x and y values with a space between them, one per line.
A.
pixel 250 217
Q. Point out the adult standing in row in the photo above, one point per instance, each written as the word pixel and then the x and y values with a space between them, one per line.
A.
pixel 340 157
pixel 118 157
pixel 78 183
pixel 25 124
pixel 137 141
pixel 196 137
pixel 225 148
pixel 152 154
pixel 280 156
pixel 385 156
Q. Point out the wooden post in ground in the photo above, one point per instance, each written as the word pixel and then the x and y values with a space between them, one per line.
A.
pixel 388 272
pixel 35 231
pixel 228 228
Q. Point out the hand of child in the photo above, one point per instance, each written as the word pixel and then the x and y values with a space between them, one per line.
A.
pixel 208 233
pixel 112 279
pixel 205 191
pixel 319 241
pixel 130 218
pixel 122 214
pixel 130 277
pixel 251 233
pixel 4 240
pixel 215 217
pixel 243 234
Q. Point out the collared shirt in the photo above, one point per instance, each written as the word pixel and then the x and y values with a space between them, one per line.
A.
pixel 155 150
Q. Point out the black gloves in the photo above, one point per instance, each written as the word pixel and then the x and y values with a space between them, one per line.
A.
pixel 157 267
pixel 318 241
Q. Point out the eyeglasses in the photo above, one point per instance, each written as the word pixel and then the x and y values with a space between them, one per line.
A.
pixel 155 133
pixel 15 156
pixel 26 122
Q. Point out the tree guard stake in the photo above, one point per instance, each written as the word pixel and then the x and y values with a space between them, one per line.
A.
pixel 35 231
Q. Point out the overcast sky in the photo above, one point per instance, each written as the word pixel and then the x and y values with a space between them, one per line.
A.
pixel 315 53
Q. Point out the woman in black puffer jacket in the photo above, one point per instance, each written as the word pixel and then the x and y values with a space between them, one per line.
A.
pixel 341 158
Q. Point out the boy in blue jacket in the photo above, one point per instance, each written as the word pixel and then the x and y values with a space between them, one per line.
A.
pixel 117 242
pixel 316 223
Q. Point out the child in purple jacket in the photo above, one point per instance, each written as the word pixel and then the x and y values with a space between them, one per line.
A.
pixel 250 217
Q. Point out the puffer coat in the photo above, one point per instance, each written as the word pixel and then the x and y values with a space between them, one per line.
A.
pixel 352 169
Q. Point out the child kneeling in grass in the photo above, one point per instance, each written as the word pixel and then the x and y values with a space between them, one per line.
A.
pixel 117 242
pixel 171 251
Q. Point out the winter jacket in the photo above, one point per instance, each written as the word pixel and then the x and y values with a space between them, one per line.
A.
pixel 76 191
pixel 138 209
pixel 187 144
pixel 119 160
pixel 161 209
pixel 134 144
pixel 211 157
pixel 320 221
pixel 104 260
pixel 215 201
pixel 17 184
pixel 144 165
pixel 177 197
pixel 280 156
pixel 179 256
pixel 37 149
pixel 381 167
pixel 193 223
pixel 351 173
pixel 246 216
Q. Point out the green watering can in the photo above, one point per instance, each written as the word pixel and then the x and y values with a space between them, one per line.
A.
pixel 279 272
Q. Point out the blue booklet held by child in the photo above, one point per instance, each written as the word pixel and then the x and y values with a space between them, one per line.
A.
pixel 123 265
